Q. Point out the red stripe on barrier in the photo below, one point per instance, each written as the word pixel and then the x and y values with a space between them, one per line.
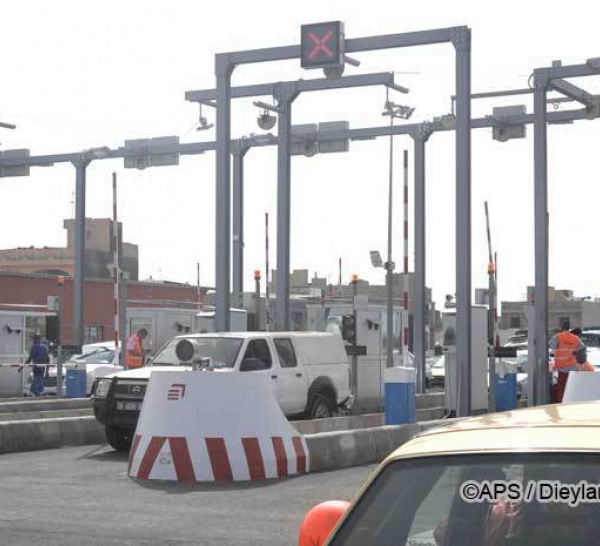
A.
pixel 300 454
pixel 134 446
pixel 182 460
pixel 280 456
pixel 256 464
pixel 219 459
pixel 150 457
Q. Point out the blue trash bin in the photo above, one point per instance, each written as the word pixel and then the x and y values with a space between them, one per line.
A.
pixel 400 395
pixel 76 383
pixel 506 392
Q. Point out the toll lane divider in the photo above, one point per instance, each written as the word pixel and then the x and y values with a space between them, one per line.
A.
pixel 343 449
pixel 214 427
pixel 37 434
pixel 43 404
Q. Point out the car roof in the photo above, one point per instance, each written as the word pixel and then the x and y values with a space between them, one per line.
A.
pixel 556 427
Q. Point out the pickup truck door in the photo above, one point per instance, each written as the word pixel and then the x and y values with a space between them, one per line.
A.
pixel 259 349
pixel 291 382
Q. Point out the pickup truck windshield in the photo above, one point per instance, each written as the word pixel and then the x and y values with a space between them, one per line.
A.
pixel 221 351
pixel 459 501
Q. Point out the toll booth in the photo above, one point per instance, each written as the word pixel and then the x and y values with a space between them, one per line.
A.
pixel 479 359
pixel 17 329
pixel 371 333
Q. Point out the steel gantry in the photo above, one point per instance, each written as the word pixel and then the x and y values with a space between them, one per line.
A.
pixel 419 132
pixel 544 80
pixel 9 162
pixel 225 63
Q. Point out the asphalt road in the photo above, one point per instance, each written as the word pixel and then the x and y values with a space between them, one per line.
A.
pixel 83 496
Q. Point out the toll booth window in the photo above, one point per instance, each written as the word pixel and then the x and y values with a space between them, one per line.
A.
pixel 285 350
pixel 259 349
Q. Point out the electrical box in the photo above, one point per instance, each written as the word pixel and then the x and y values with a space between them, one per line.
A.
pixel 479 362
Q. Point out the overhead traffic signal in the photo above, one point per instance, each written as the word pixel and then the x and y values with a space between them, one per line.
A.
pixel 322 45
pixel 349 328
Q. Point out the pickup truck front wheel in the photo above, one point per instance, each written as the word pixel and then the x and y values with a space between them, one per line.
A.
pixel 118 440
pixel 321 407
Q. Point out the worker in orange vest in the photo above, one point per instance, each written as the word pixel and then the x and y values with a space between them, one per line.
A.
pixel 134 356
pixel 581 355
pixel 564 344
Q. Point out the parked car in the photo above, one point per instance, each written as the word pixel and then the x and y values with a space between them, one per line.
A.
pixel 308 371
pixel 99 361
pixel 438 372
pixel 432 490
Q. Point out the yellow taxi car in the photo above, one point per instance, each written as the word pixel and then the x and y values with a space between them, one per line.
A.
pixel 522 478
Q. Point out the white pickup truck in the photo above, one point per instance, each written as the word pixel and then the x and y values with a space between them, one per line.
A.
pixel 308 371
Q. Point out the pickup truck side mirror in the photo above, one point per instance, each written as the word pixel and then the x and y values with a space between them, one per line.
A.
pixel 252 365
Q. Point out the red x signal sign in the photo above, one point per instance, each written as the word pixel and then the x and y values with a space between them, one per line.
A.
pixel 322 45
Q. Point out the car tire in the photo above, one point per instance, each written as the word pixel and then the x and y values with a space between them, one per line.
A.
pixel 117 439
pixel 321 407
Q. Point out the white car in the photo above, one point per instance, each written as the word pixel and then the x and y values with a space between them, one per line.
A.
pixel 99 360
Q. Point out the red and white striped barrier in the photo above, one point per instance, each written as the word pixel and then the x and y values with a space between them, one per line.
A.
pixel 214 426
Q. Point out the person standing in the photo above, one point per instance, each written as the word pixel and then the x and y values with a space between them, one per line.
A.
pixel 39 357
pixel 134 355
pixel 581 355
pixel 565 345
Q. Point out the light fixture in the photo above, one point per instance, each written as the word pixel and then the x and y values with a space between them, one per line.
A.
pixel 266 121
pixel 400 111
pixel 203 124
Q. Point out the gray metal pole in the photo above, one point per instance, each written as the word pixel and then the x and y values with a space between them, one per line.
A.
pixel 61 314
pixel 123 317
pixel 462 44
pixel 390 264
pixel 282 306
pixel 223 70
pixel 540 377
pixel 238 222
pixel 419 296
pixel 79 288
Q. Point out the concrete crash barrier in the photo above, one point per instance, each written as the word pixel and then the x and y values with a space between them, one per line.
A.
pixel 54 414
pixel 44 404
pixel 36 434
pixel 342 449
pixel 582 387
pixel 214 426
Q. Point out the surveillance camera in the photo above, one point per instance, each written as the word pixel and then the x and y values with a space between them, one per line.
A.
pixel 333 72
pixel 266 121
pixel 309 148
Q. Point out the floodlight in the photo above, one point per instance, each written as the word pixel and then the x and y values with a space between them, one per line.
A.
pixel 266 121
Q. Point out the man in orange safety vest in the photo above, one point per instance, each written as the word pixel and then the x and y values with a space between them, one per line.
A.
pixel 134 356
pixel 565 345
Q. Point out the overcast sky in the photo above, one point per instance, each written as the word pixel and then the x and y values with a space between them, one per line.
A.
pixel 82 74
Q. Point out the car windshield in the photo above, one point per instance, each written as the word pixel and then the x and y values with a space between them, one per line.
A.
pixel 221 351
pixel 591 339
pixel 439 363
pixel 443 501
pixel 98 356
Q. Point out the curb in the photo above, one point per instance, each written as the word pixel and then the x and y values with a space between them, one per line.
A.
pixel 38 434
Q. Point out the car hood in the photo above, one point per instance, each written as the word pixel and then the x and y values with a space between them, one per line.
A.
pixel 146 371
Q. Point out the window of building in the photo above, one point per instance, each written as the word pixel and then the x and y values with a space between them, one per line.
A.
pixel 94 334
pixel 515 322
pixel 562 320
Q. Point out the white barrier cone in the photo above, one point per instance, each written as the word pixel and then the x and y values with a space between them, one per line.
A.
pixel 582 387
pixel 214 426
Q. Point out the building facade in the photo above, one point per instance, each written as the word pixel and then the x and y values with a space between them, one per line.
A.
pixel 61 261
pixel 562 306
pixel 32 292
